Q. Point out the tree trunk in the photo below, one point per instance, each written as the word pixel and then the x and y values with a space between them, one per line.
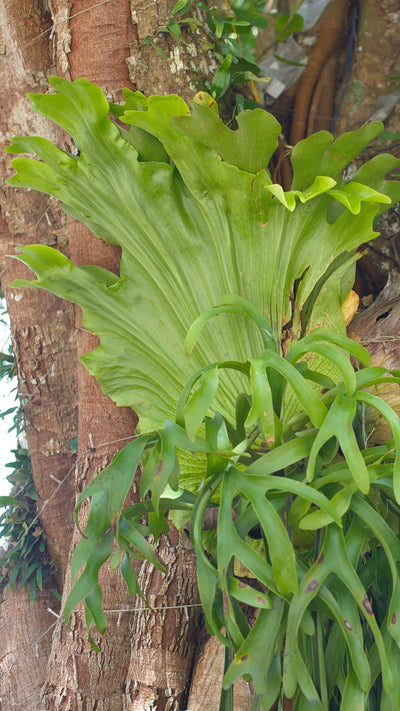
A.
pixel 44 345
pixel 25 634
pixel 163 639
pixel 207 679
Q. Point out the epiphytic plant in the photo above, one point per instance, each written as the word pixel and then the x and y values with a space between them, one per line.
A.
pixel 225 333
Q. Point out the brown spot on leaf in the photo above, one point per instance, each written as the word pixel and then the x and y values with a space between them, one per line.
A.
pixel 260 600
pixel 367 606
pixel 243 585
pixel 348 625
pixel 321 559
pixel 159 468
pixel 311 586
pixel 394 619
pixel 244 658
pixel 226 604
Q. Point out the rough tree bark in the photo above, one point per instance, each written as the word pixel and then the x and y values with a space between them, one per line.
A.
pixel 44 343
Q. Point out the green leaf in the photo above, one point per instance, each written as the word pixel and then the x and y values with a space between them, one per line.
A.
pixel 93 605
pixel 174 28
pixel 116 479
pixel 280 548
pixel 198 405
pixel 286 25
pixel 391 699
pixel 180 5
pixel 74 444
pixel 243 592
pixel 158 524
pixel 129 576
pixel 339 423
pixel 232 303
pixel 168 471
pixel 249 147
pixel 39 577
pixel 333 559
pixel 116 559
pixel 394 421
pixel 281 457
pixel 28 572
pixel 289 62
pixel 341 361
pixel 219 444
pixel 239 78
pixel 8 501
pixel 88 580
pixel 128 532
pixel 258 652
pixel 352 194
pixel 150 464
pixel 306 344
pixel 319 519
pixel 207 574
pixel 32 589
pixel 315 408
pixel 320 154
pixel 391 546
pixel 222 76
pixel 389 136
pixel 286 199
pixel 98 525
pixel 298 488
pixel 262 410
pixel 252 16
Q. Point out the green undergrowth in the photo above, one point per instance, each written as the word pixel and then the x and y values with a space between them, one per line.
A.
pixel 24 560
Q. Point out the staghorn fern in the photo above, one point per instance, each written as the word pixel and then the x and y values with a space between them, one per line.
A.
pixel 198 218
pixel 220 264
